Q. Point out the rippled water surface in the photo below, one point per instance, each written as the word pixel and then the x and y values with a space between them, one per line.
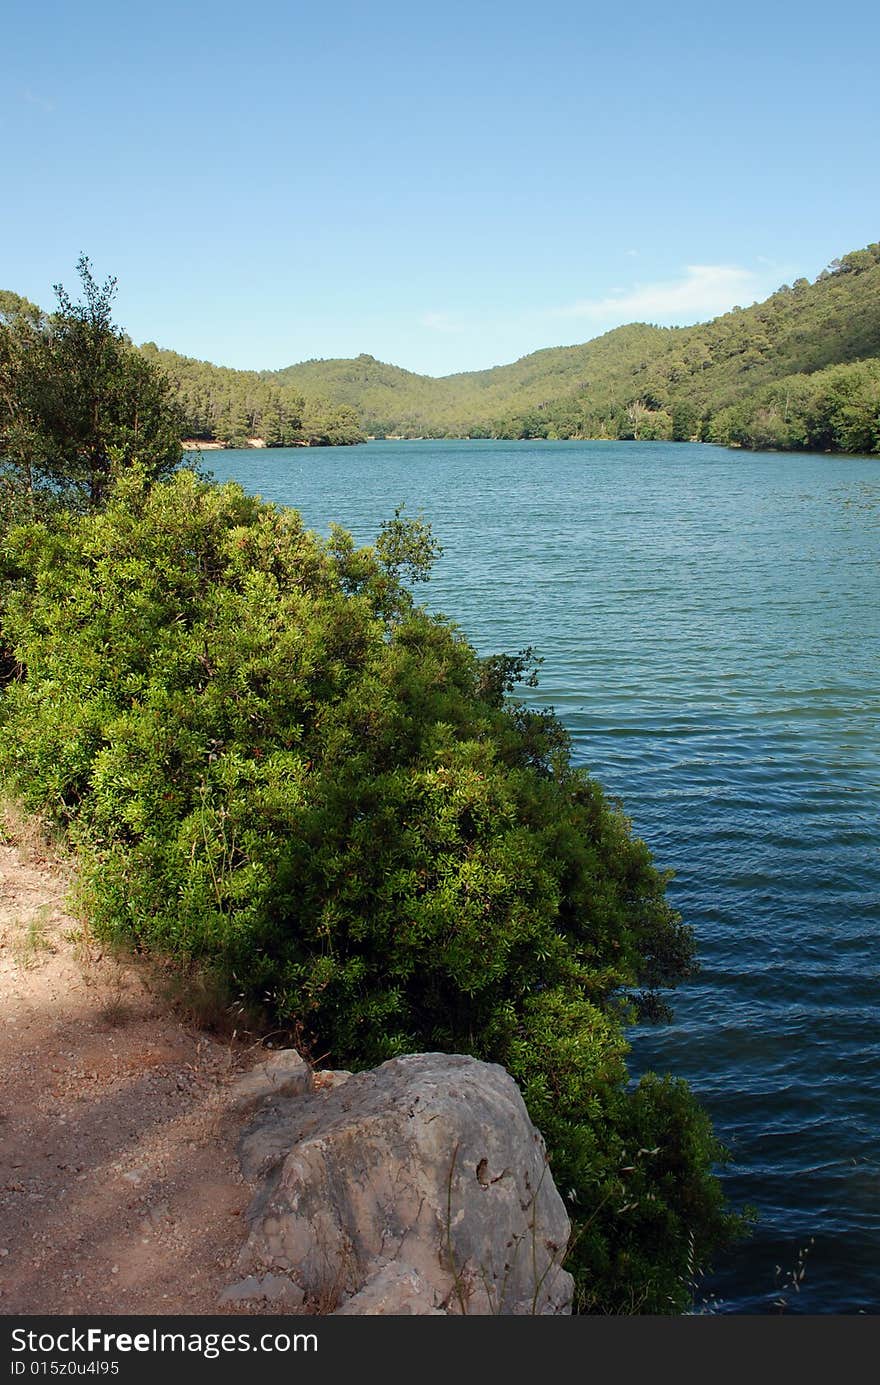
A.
pixel 710 625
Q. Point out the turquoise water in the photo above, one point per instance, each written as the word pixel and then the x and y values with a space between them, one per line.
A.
pixel 710 625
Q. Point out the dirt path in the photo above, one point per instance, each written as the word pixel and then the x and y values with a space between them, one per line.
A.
pixel 120 1191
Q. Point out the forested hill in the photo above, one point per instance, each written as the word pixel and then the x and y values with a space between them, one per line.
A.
pixel 394 401
pixel 754 376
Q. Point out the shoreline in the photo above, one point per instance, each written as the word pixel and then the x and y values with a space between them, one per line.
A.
pixel 206 445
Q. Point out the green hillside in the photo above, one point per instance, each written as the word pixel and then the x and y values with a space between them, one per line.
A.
pixel 391 400
pixel 638 381
pixel 754 377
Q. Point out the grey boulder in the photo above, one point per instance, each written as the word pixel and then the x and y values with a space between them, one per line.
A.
pixel 419 1187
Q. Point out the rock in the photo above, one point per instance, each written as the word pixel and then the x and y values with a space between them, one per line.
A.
pixel 285 1074
pixel 419 1187
pixel 156 1218
pixel 394 1290
pixel 329 1077
pixel 271 1288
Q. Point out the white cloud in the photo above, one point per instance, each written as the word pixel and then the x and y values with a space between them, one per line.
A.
pixel 699 292
pixel 704 290
pixel 442 322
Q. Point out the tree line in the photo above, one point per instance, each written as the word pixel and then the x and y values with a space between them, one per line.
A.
pixel 233 407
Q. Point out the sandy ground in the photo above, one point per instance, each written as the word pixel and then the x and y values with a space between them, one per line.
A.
pixel 120 1191
pixel 199 445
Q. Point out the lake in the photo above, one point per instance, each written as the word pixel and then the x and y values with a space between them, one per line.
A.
pixel 710 628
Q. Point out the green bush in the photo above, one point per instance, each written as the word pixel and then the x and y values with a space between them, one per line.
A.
pixel 278 766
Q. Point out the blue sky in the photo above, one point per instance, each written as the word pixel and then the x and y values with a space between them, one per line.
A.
pixel 444 187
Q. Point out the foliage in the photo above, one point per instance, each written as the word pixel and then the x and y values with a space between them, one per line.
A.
pixel 15 309
pixel 278 766
pixel 833 410
pixel 234 406
pixel 77 402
